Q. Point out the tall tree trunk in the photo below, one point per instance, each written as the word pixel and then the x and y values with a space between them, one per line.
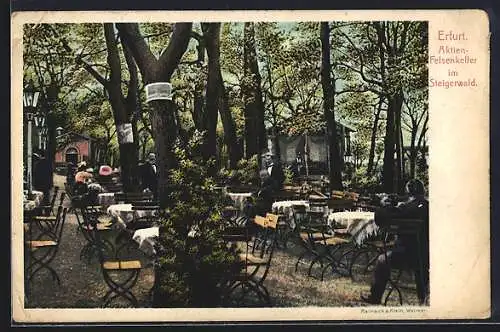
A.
pixel 328 109
pixel 391 173
pixel 232 142
pixel 373 139
pixel 211 35
pixel 198 110
pixel 399 146
pixel 159 70
pixel 389 142
pixel 276 143
pixel 128 150
pixel 255 132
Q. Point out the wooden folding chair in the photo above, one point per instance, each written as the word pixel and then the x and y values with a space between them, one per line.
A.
pixel 257 262
pixel 406 227
pixel 120 275
pixel 90 225
pixel 43 249
pixel 48 210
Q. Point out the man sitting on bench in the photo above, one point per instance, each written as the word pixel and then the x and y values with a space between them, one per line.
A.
pixel 405 248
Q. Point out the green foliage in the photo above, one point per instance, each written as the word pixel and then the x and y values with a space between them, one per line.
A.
pixel 194 260
pixel 245 174
pixel 360 182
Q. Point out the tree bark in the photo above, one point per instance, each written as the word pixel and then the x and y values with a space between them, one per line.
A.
pixel 211 35
pixel 389 140
pixel 159 70
pixel 231 140
pixel 255 132
pixel 328 109
pixel 373 138
pixel 276 142
pixel 128 151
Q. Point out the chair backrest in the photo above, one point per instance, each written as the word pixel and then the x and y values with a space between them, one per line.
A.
pixel 113 187
pixel 260 221
pixel 410 228
pixel 272 220
pixel 56 231
pixel 299 214
pixel 352 196
pixel 337 194
pixel 268 241
pixel 340 204
pixel 61 197
pixel 131 197
pixel 68 189
pixel 62 221
pixel 54 196
pixel 143 222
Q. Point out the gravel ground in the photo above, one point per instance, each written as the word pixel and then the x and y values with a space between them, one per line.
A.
pixel 82 284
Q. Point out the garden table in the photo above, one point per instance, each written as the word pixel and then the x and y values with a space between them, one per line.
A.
pixel 146 238
pixel 124 214
pixel 37 197
pixel 286 208
pixel 360 224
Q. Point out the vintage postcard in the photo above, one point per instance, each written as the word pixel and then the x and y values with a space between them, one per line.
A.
pixel 206 166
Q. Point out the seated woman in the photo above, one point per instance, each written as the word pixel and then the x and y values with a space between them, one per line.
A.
pixel 405 249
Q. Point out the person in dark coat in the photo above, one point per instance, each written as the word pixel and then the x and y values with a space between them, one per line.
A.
pixel 149 174
pixel 406 249
pixel 42 176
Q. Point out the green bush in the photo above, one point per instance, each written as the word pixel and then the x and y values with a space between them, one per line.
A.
pixel 194 260
pixel 360 182
pixel 245 174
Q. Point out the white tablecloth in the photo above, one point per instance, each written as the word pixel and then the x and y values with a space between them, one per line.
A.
pixel 123 213
pixel 35 202
pixel 106 199
pixel 239 199
pixel 360 224
pixel 285 208
pixel 146 238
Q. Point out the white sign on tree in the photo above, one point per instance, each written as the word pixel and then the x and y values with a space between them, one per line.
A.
pixel 125 134
pixel 158 91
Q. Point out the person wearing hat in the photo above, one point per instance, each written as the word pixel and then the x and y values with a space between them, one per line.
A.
pixel 81 179
pixel 405 249
pixel 149 174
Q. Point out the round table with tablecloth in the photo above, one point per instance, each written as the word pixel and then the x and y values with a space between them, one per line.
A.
pixel 360 224
pixel 124 214
pixel 146 238
pixel 286 208
pixel 35 201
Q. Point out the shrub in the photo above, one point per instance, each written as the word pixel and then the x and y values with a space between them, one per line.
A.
pixel 246 173
pixel 194 260
pixel 363 183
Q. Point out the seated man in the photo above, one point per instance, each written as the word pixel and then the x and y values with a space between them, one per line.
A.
pixel 405 249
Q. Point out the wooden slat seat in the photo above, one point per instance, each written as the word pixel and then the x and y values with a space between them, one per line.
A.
pixel 41 243
pixel 122 265
pixel 380 243
pixel 100 227
pixel 333 241
pixel 253 260
pixel 342 231
pixel 48 218
pixel 316 236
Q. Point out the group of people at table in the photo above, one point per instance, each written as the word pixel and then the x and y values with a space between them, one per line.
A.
pixel 405 249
